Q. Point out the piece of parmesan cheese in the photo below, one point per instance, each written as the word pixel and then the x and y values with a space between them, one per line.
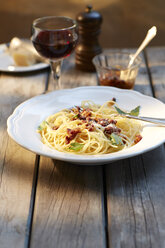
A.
pixel 22 57
pixel 23 52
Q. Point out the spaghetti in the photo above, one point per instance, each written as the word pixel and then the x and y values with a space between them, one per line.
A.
pixel 90 129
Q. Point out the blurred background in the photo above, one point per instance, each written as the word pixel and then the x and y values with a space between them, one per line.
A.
pixel 125 22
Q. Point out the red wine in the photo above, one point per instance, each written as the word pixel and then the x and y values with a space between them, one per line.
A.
pixel 55 44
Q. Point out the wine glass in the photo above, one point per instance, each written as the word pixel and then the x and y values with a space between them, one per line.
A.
pixel 54 38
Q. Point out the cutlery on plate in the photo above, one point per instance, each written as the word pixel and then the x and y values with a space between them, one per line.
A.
pixel 160 121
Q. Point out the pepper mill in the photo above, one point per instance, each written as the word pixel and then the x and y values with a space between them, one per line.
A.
pixel 89 26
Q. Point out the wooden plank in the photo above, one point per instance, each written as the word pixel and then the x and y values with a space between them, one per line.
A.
pixel 16 164
pixel 68 208
pixel 136 201
pixel 135 190
pixel 156 63
pixel 72 77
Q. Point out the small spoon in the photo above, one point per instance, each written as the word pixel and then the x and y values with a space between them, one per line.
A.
pixel 150 35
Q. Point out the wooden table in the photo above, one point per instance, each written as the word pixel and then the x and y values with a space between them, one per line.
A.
pixel 47 204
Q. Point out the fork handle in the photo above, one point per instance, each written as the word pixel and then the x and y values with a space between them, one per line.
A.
pixel 160 121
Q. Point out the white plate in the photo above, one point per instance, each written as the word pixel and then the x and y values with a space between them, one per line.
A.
pixel 7 63
pixel 23 123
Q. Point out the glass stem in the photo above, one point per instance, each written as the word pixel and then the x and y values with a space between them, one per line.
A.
pixel 56 72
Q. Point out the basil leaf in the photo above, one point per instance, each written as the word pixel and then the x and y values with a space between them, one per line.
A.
pixel 40 128
pixel 76 146
pixel 116 140
pixel 42 125
pixel 121 112
pixel 135 112
pixel 75 116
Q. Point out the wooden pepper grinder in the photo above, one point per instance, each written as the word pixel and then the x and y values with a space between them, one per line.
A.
pixel 89 26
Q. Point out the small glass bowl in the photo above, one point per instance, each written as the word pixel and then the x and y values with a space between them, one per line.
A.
pixel 112 69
